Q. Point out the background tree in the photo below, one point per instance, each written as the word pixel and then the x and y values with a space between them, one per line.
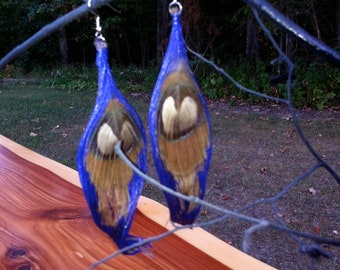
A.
pixel 337 8
pixel 162 28
pixel 138 32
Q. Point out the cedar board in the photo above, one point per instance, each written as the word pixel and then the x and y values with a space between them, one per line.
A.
pixel 45 224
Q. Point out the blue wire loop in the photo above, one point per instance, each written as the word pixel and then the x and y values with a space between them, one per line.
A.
pixel 175 7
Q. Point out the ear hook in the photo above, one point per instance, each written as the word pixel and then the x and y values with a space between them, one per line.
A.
pixel 175 7
pixel 99 29
pixel 98 33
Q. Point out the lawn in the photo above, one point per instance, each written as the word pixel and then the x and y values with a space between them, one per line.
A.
pixel 256 153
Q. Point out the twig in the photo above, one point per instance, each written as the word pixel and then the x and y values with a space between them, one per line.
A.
pixel 228 213
pixel 251 230
pixel 179 195
pixel 49 29
pixel 238 85
pixel 288 26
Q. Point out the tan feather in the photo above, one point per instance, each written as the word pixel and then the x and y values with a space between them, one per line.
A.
pixel 108 173
pixel 184 130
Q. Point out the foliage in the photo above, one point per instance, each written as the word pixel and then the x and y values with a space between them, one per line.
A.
pixel 316 85
pixel 253 76
pixel 134 79
pixel 213 86
pixel 72 79
pixel 218 31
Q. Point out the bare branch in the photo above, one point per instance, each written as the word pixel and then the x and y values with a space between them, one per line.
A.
pixel 288 26
pixel 50 28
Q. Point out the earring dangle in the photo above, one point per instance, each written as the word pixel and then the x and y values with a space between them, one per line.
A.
pixel 180 127
pixel 110 187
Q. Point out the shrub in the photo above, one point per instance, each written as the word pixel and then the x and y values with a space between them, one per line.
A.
pixel 316 85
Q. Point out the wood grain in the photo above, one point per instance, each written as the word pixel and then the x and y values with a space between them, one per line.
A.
pixel 45 224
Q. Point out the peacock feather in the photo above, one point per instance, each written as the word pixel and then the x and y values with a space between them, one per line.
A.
pixel 111 188
pixel 180 129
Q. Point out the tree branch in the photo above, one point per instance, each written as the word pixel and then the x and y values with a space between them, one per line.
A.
pixel 288 26
pixel 49 29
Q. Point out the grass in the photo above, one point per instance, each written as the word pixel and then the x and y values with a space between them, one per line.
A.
pixel 255 157
pixel 256 153
pixel 47 120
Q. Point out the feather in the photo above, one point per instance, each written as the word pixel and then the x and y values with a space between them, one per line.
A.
pixel 180 129
pixel 111 188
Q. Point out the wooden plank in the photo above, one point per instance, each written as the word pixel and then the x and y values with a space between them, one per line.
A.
pixel 45 224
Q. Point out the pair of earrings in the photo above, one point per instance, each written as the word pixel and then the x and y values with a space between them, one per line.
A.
pixel 180 139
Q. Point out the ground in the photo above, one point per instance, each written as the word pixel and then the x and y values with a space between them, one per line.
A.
pixel 257 153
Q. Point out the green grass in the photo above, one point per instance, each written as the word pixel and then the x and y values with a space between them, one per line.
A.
pixel 255 155
pixel 45 119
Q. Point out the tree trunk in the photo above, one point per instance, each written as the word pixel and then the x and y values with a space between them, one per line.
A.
pixel 117 50
pixel 338 21
pixel 315 20
pixel 63 46
pixel 162 27
pixel 252 46
pixel 287 10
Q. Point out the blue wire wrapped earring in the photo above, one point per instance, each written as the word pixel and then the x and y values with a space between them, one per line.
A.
pixel 180 127
pixel 112 188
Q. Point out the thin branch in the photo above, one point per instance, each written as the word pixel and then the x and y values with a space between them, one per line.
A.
pixel 238 85
pixel 250 231
pixel 228 213
pixel 179 195
pixel 157 238
pixel 284 58
pixel 288 26
pixel 49 29
pixel 137 244
pixel 278 196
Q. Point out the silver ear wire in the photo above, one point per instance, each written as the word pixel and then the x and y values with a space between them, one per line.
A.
pixel 175 7
pixel 98 33
pixel 99 29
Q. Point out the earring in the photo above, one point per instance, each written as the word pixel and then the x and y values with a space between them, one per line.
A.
pixel 111 187
pixel 180 127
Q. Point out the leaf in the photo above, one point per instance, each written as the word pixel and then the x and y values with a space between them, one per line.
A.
pixel 53 129
pixel 283 149
pixel 312 191
pixel 287 118
pixel 32 134
pixel 226 197
pixel 204 212
pixel 229 242
pixel 264 170
pixel 36 120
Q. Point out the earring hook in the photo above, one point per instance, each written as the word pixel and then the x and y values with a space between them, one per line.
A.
pixel 175 7
pixel 98 33
pixel 99 29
